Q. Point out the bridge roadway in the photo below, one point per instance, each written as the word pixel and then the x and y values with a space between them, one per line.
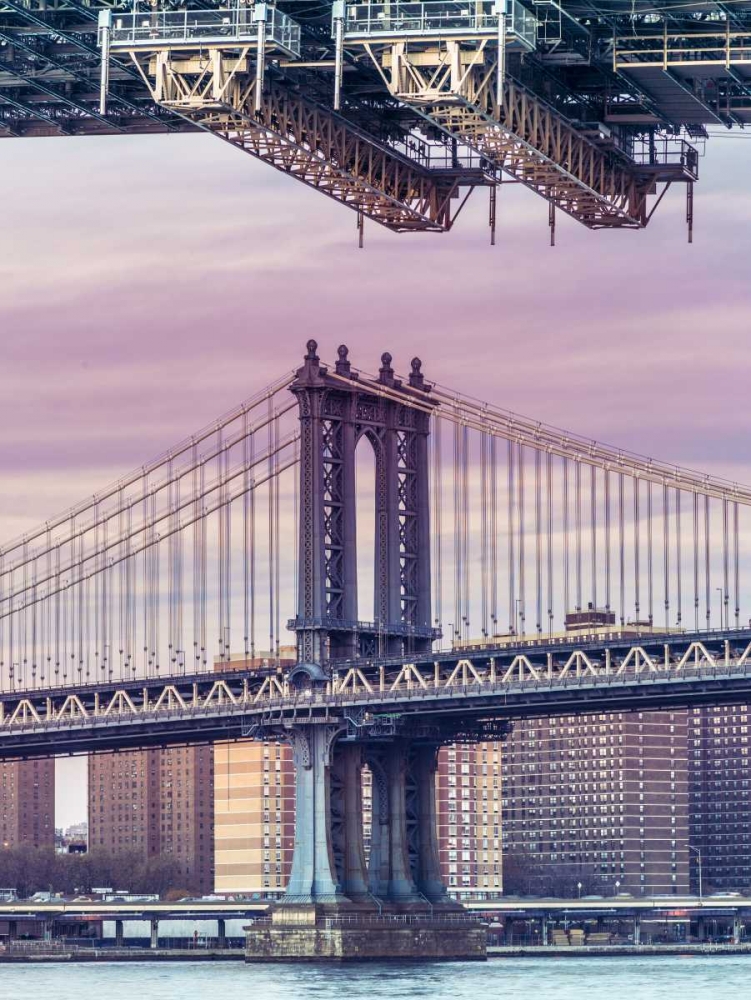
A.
pixel 467 692
pixel 729 911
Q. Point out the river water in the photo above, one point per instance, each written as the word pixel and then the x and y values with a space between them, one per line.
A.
pixel 692 978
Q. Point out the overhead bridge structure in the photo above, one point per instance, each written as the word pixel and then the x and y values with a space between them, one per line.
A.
pixel 568 577
pixel 400 109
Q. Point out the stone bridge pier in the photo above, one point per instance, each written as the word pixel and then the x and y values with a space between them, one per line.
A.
pixel 337 904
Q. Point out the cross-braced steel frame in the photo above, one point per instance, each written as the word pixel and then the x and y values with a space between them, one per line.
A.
pixel 337 410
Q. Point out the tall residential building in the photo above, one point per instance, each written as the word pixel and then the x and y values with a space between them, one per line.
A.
pixel 469 796
pixel 159 802
pixel 599 799
pixel 254 809
pixel 720 797
pixel 254 804
pixel 27 803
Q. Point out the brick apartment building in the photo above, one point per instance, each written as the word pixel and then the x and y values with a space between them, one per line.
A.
pixel 601 800
pixel 159 802
pixel 720 797
pixel 27 803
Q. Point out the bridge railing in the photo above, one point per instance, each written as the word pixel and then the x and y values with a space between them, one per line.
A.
pixel 439 18
pixel 188 28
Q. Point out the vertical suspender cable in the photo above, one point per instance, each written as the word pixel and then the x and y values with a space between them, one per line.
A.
pixel 666 550
pixel 171 608
pixel 566 575
pixel 593 529
pixel 106 598
pixel 51 604
pixel 88 612
pixel 465 530
pixel 98 566
pixel 81 596
pixel 23 615
pixel 252 549
pixel 277 565
pixel 736 567
pixel 510 495
pixel 494 534
pixel 59 624
pixel 196 575
pixel 538 542
pixel 621 552
pixel 522 588
pixel 457 537
pixel 131 598
pixel 549 540
pixel 637 552
pixel 10 629
pixel 246 536
pixel 484 543
pixel 272 553
pixel 203 576
pixel 650 577
pixel 121 591
pixel 3 607
pixel 578 517
pixel 222 544
pixel 437 498
pixel 707 551
pixel 696 560
pixel 156 547
pixel 34 624
pixel 145 573
pixel 226 514
pixel 678 557
pixel 296 523
pixel 179 574
pixel 607 539
pixel 725 564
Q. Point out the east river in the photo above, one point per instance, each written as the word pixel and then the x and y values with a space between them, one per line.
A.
pixel 693 978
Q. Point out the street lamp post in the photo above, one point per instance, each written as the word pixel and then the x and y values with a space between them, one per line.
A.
pixel 579 887
pixel 617 887
pixel 698 859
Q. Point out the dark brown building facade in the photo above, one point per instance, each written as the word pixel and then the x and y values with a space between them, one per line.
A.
pixel 599 800
pixel 720 798
pixel 157 802
pixel 27 803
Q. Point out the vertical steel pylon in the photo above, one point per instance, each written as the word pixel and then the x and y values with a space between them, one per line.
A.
pixel 337 409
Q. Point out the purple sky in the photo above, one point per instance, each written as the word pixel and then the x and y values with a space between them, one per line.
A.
pixel 149 283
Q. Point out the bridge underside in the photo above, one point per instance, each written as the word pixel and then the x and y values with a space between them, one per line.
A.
pixel 400 111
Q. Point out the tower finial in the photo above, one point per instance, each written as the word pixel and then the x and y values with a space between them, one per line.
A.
pixel 342 364
pixel 311 347
pixel 386 372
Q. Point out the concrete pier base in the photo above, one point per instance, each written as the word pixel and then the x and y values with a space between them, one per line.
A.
pixel 315 933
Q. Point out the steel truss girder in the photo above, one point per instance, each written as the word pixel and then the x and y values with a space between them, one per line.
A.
pixel 525 137
pixel 305 140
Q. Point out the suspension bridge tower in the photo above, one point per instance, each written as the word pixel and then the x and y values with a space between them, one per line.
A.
pixel 337 904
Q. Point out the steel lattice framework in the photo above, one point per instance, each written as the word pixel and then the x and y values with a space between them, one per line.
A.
pixel 399 109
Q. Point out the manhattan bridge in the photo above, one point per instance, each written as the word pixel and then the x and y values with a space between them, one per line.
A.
pixel 400 109
pixel 515 570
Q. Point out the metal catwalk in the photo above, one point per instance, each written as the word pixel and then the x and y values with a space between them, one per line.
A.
pixel 400 109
